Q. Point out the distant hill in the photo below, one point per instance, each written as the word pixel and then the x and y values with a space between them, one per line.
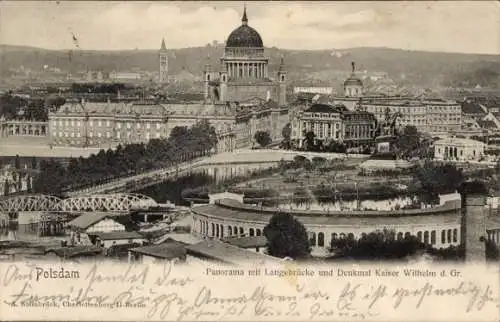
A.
pixel 418 67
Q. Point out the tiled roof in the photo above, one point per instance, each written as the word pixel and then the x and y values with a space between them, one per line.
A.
pixel 87 219
pixel 469 107
pixel 167 250
pixel 116 235
pixel 224 252
pixel 112 108
pixel 326 108
pixel 69 252
pixel 487 124
pixel 247 241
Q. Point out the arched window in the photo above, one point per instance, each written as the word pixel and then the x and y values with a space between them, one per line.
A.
pixel 443 236
pixel 213 229
pixel 312 238
pixel 449 235
pixel 419 236
pixel 258 232
pixel 235 229
pixel 433 237
pixel 400 236
pixel 221 231
pixel 342 236
pixel 251 232
pixel 208 77
pixel 455 235
pixel 350 236
pixel 321 239
pixel 426 237
pixel 241 231
pixel 217 230
pixel 229 231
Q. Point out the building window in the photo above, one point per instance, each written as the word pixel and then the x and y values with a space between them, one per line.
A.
pixel 138 125
pixel 251 232
pixel 91 123
pixel 108 135
pixel 321 239
pixel 90 134
pixel 129 125
pixel 78 134
pixel 157 135
pixel 312 238
pixel 449 235
pixel 443 236
pixel 119 125
pixel 100 123
pixel 118 135
pixel 433 237
pixel 158 126
pixel 258 232
pixel 98 134
pixel 107 123
pixel 78 123
pixel 455 235
pixel 148 126
pixel 60 134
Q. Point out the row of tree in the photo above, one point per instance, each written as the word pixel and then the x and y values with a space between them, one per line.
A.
pixel 34 109
pixel 183 144
pixel 287 237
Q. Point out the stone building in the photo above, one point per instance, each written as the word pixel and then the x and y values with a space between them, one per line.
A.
pixel 458 149
pixel 429 116
pixel 333 123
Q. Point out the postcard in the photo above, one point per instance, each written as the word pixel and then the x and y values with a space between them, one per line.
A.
pixel 258 161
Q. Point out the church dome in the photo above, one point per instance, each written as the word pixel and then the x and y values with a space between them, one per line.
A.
pixel 244 35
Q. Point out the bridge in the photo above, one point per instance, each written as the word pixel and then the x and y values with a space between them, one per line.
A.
pixel 119 203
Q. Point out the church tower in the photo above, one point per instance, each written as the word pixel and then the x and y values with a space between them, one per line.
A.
pixel 163 75
pixel 207 71
pixel 282 83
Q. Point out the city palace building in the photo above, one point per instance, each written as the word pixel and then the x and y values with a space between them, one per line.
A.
pixel 239 101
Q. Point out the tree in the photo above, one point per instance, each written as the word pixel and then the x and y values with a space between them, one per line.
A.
pixel 309 140
pixel 408 142
pixel 287 237
pixel 380 244
pixel 263 138
pixel 6 189
pixel 436 179
pixel 286 133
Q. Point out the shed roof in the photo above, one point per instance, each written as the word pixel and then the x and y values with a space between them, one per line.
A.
pixel 117 235
pixel 224 252
pixel 247 241
pixel 167 250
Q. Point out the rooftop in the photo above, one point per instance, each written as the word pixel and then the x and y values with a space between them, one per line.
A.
pixel 90 218
pixel 224 252
pixel 167 250
pixel 247 241
pixel 116 235
pixel 230 209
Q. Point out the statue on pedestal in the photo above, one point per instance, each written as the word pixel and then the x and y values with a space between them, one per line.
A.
pixel 385 134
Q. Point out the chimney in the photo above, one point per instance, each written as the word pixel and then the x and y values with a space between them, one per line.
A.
pixel 473 220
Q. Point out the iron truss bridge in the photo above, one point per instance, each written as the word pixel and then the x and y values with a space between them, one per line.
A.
pixel 118 202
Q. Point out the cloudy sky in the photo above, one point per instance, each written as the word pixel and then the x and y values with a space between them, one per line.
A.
pixel 472 27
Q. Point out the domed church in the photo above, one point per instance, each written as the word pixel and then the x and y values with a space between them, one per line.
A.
pixel 243 74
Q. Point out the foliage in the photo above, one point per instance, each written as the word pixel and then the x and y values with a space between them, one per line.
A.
pixel 407 141
pixel 286 133
pixel 437 179
pixel 263 138
pixel 287 237
pixel 184 144
pixel 380 244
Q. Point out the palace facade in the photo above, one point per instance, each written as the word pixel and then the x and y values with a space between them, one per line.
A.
pixel 333 123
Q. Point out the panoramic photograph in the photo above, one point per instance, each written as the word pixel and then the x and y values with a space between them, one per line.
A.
pixel 270 132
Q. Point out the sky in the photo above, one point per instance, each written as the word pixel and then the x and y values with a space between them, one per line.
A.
pixel 469 27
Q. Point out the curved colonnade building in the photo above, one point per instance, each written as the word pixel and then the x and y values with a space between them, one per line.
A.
pixel 439 226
